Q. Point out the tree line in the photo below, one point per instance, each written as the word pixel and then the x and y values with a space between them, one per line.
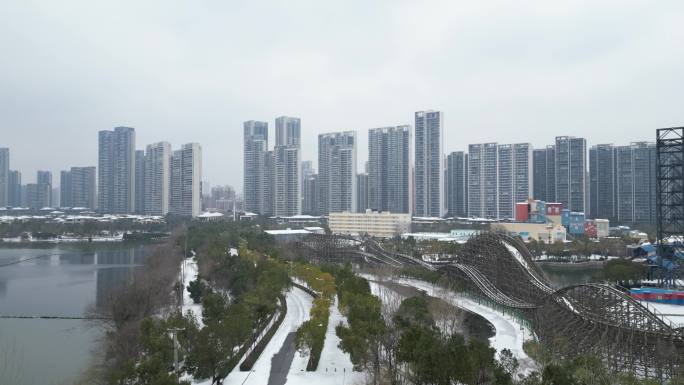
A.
pixel 310 336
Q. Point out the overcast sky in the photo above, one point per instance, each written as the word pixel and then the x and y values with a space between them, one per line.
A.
pixel 194 70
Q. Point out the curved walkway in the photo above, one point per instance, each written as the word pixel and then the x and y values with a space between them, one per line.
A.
pixel 275 361
pixel 509 333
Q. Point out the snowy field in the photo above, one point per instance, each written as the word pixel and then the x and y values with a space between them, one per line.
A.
pixel 334 367
pixel 509 333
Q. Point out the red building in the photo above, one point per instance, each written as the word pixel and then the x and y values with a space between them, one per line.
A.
pixel 554 208
pixel 590 229
pixel 522 211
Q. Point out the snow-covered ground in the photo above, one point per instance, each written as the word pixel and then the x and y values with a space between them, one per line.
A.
pixel 298 308
pixel 189 271
pixel 672 313
pixel 509 333
pixel 334 367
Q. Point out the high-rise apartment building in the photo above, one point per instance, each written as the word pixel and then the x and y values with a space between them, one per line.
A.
pixel 539 174
pixel 45 177
pixel 116 170
pixel 429 167
pixel 186 179
pixel 505 181
pixel 221 198
pixel 337 172
pixel 287 181
pixel 635 183
pixel 268 185
pixel 65 189
pixel 483 180
pixel 389 169
pixel 544 173
pixel 602 181
pixel 523 176
pixel 255 159
pixel 288 131
pixel 570 172
pixel 551 174
pixel 140 181
pixel 14 189
pixel 157 179
pixel 287 162
pixel 306 171
pixel 457 184
pixel 83 188
pixel 362 193
pixel 310 192
pixel 4 176
pixel 38 195
pixel 498 177
pixel 77 188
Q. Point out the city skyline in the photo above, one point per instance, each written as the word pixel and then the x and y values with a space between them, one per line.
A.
pixel 519 172
pixel 509 77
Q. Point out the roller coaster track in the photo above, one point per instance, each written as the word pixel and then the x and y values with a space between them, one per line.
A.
pixel 485 286
pixel 373 246
pixel 591 318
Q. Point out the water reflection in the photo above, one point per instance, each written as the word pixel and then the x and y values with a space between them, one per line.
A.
pixel 62 280
pixel 568 275
pixel 108 280
pixel 77 258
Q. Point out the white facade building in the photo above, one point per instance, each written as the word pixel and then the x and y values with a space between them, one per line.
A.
pixel 186 178
pixel 376 224
pixel 287 162
pixel 157 178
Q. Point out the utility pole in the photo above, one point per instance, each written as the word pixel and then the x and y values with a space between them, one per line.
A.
pixel 174 332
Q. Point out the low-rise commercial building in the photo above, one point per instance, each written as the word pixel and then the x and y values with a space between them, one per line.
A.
pixel 602 228
pixel 456 236
pixel 376 224
pixel 545 232
pixel 288 235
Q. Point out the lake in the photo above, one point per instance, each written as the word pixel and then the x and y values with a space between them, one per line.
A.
pixel 61 280
pixel 562 275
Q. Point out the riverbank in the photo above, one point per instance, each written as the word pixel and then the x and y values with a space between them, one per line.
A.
pixel 60 280
pixel 66 239
pixel 572 265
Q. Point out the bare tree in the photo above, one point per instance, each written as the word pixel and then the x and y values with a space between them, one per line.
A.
pixel 448 318
pixel 149 291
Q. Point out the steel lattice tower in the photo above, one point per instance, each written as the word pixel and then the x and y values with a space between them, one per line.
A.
pixel 669 197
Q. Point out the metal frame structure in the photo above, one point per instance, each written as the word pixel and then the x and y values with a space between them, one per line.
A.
pixel 582 319
pixel 669 198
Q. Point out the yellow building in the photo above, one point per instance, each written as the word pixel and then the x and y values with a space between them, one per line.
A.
pixel 545 232
pixel 384 224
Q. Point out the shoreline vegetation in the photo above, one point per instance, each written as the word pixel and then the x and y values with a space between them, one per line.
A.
pixel 45 238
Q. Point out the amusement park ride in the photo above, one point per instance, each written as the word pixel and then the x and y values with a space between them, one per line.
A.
pixel 670 205
pixel 599 319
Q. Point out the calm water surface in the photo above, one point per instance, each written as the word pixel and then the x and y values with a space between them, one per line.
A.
pixel 58 281
pixel 567 275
